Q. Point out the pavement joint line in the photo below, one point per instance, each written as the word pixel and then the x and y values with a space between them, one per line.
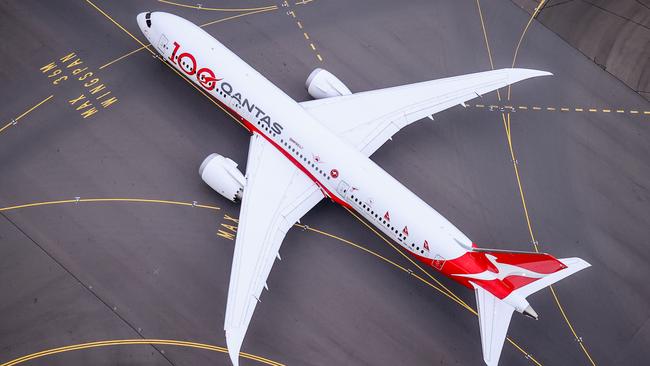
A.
pixel 521 191
pixel 145 341
pixel 202 26
pixel 14 121
pixel 80 282
pixel 196 7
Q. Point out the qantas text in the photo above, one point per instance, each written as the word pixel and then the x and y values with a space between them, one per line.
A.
pixel 207 79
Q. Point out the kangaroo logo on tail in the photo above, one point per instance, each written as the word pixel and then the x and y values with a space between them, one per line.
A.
pixel 503 270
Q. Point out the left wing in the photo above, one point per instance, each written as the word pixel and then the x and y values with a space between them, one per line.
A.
pixel 276 195
pixel 368 119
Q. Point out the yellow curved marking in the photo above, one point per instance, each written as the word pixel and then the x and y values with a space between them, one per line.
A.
pixel 218 9
pixel 438 286
pixel 447 291
pixel 120 342
pixel 81 200
pixel 506 124
pixel 202 26
pixel 116 23
pixel 442 289
pixel 532 16
pixel 239 16
pixel 25 113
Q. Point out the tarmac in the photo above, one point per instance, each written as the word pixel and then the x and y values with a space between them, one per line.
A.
pixel 109 235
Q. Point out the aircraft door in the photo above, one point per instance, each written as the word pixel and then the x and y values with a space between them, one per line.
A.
pixel 163 45
pixel 343 188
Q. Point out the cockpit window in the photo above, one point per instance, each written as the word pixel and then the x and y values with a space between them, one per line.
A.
pixel 147 17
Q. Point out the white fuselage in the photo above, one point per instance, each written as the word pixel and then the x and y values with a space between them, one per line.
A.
pixel 343 173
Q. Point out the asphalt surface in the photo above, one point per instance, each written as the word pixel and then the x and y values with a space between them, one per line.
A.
pixel 91 271
pixel 614 34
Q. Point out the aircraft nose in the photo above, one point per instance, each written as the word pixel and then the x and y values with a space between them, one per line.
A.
pixel 144 22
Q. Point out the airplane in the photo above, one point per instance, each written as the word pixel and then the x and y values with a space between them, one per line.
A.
pixel 302 152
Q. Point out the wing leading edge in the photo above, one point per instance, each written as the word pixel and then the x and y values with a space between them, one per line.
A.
pixel 276 195
pixel 368 119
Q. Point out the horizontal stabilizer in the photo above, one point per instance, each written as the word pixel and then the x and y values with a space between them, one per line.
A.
pixel 541 270
pixel 494 318
pixel 573 265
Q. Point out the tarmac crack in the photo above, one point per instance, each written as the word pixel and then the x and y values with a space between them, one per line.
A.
pixel 87 287
pixel 616 15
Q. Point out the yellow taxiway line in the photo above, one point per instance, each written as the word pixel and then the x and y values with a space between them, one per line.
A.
pixel 197 7
pixel 88 200
pixel 121 342
pixel 15 120
pixel 439 287
pixel 505 116
pixel 202 26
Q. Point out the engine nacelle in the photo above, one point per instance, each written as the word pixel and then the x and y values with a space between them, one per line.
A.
pixel 323 84
pixel 222 175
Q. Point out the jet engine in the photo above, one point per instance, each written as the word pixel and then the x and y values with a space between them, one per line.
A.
pixel 323 84
pixel 222 175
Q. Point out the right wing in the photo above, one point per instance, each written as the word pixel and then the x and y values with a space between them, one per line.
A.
pixel 368 119
pixel 277 194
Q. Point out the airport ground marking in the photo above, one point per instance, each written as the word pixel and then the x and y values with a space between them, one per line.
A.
pixel 150 342
pixel 507 127
pixel 123 56
pixel 95 200
pixel 14 121
pixel 450 295
pixel 201 7
pixel 292 13
pixel 239 16
pixel 561 109
pixel 535 243
pixel 485 38
pixel 437 286
pixel 117 24
pixel 171 67
pixel 523 34
pixel 202 26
